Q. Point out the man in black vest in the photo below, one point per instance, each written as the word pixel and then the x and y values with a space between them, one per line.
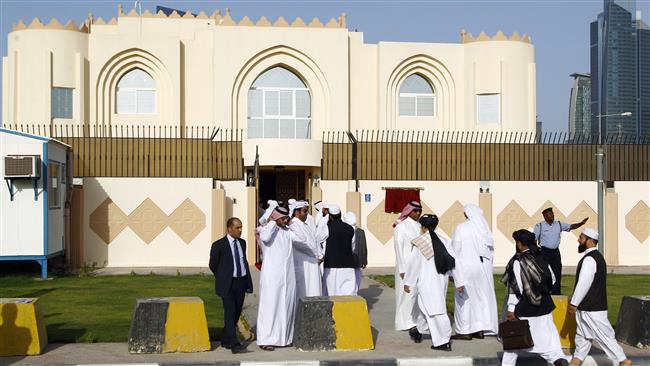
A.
pixel 232 279
pixel 529 279
pixel 589 303
pixel 339 276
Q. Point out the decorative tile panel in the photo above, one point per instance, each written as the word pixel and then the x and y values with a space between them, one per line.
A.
pixel 147 220
pixel 187 221
pixel 637 221
pixel 454 215
pixel 108 220
pixel 512 218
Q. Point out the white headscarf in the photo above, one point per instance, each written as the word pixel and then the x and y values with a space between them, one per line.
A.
pixel 294 205
pixel 265 217
pixel 476 218
pixel 350 218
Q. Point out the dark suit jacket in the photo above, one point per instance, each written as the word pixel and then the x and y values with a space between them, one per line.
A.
pixel 222 266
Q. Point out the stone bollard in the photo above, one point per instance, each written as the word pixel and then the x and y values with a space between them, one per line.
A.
pixel 564 322
pixel 633 323
pixel 169 324
pixel 332 323
pixel 22 330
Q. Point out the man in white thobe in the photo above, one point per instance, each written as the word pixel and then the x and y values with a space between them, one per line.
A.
pixel 428 281
pixel 277 290
pixel 589 304
pixel 475 302
pixel 407 228
pixel 306 256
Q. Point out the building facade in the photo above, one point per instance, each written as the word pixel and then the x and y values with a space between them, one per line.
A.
pixel 618 70
pixel 288 89
pixel 580 106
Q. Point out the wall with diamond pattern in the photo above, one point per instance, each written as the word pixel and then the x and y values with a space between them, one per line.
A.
pixel 147 222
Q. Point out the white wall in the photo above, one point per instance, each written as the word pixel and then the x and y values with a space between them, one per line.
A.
pixel 630 250
pixel 167 249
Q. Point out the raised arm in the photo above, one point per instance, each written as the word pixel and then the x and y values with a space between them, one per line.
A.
pixel 577 224
pixel 267 232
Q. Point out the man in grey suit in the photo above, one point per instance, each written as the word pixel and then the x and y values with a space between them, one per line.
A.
pixel 359 246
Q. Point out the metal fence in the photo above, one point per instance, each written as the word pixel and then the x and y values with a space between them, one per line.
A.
pixel 473 156
pixel 149 151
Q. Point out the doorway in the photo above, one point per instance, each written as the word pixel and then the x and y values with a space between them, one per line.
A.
pixel 281 185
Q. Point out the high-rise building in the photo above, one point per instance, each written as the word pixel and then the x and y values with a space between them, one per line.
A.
pixel 580 106
pixel 643 49
pixel 619 68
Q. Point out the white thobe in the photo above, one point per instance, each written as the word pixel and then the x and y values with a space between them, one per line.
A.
pixel 430 288
pixel 305 259
pixel 542 328
pixel 593 325
pixel 340 281
pixel 277 291
pixel 405 316
pixel 476 308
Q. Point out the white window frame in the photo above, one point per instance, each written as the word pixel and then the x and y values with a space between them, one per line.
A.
pixel 279 116
pixel 416 96
pixel 51 182
pixel 476 99
pixel 136 90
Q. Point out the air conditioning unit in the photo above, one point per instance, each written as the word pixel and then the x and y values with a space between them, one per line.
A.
pixel 22 166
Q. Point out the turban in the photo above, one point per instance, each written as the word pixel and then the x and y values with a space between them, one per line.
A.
pixel 443 260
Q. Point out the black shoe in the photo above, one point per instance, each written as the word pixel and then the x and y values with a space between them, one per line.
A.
pixel 443 347
pixel 478 335
pixel 230 346
pixel 238 348
pixel 415 335
pixel 462 337
pixel 560 362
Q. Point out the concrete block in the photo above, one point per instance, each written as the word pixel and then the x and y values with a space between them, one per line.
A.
pixel 22 330
pixel 186 329
pixel 169 324
pixel 564 322
pixel 351 323
pixel 633 323
pixel 332 323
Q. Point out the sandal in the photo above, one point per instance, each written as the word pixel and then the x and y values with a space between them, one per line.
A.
pixel 267 348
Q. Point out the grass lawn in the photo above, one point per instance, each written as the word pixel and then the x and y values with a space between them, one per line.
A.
pixel 99 309
pixel 617 287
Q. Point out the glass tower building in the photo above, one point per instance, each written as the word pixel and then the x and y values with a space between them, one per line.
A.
pixel 580 106
pixel 619 71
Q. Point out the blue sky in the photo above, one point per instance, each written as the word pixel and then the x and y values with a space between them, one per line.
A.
pixel 559 29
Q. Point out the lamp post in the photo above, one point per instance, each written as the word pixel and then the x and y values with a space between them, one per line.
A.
pixel 600 154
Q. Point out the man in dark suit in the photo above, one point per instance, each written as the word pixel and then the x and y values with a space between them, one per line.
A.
pixel 232 280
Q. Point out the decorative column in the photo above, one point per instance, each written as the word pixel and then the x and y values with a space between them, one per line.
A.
pixel 611 226
pixel 316 195
pixel 251 223
pixel 485 203
pixel 218 213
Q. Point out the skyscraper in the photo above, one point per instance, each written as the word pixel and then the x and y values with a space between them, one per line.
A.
pixel 580 106
pixel 619 68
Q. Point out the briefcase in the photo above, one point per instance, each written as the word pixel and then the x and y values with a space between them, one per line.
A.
pixel 515 334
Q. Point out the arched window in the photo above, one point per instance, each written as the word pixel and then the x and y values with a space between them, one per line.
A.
pixel 279 106
pixel 136 93
pixel 416 98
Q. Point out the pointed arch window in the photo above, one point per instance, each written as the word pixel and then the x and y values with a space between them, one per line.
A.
pixel 279 106
pixel 135 93
pixel 416 97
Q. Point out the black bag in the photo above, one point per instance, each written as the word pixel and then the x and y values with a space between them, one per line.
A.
pixel 515 334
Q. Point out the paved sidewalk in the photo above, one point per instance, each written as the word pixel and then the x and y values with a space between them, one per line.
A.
pixel 392 347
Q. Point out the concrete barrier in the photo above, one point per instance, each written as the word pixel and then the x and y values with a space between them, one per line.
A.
pixel 22 330
pixel 169 324
pixel 332 323
pixel 633 323
pixel 564 322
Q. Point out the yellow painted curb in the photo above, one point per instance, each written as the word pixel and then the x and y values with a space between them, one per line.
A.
pixel 351 323
pixel 22 330
pixel 186 328
pixel 564 322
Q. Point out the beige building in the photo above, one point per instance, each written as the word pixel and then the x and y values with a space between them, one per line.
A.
pixel 284 84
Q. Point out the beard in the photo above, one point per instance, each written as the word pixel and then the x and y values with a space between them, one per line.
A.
pixel 582 248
